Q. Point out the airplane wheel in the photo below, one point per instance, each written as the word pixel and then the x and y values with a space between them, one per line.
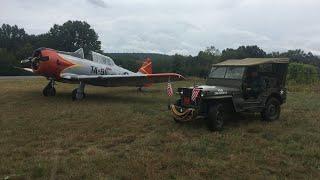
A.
pixel 77 96
pixel 49 91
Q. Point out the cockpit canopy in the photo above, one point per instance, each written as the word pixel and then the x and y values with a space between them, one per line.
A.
pixel 96 57
pixel 78 53
pixel 102 59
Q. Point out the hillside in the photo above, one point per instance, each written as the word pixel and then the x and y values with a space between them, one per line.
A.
pixel 133 61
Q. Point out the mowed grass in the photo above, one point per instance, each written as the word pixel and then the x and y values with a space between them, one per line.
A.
pixel 117 133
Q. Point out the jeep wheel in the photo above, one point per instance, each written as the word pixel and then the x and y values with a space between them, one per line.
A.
pixel 215 119
pixel 272 110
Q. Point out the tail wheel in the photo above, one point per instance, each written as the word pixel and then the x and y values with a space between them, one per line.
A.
pixel 216 117
pixel 272 110
pixel 77 96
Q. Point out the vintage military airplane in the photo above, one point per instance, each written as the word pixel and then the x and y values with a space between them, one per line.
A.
pixel 72 67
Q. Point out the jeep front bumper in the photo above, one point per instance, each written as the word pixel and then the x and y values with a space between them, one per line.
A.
pixel 183 114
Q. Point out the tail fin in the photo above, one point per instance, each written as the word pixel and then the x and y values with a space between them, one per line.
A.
pixel 146 67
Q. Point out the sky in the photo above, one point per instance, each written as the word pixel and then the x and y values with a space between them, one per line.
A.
pixel 178 26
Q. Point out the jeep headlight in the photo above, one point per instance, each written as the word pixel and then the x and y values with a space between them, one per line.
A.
pixel 202 93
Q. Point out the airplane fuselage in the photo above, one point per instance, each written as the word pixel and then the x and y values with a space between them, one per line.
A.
pixel 59 63
pixel 87 67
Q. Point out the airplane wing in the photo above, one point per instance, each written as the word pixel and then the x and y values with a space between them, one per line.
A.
pixel 136 80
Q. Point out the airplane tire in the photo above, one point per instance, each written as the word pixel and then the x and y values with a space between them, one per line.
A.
pixel 45 92
pixel 49 91
pixel 52 91
pixel 77 96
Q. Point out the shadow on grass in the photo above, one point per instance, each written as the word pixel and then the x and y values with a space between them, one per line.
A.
pixel 195 124
pixel 235 121
pixel 239 119
pixel 108 97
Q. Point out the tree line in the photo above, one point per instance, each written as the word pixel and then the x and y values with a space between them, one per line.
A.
pixel 16 44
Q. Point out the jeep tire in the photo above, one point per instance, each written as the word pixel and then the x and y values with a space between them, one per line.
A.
pixel 271 110
pixel 215 119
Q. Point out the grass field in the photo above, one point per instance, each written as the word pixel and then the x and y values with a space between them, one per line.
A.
pixel 117 133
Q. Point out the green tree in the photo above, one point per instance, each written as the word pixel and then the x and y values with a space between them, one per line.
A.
pixel 243 52
pixel 299 55
pixel 25 51
pixel 12 37
pixel 178 64
pixel 73 35
pixel 202 63
pixel 302 73
pixel 8 61
pixel 213 51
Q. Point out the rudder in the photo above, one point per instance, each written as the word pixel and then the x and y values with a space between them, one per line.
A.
pixel 146 67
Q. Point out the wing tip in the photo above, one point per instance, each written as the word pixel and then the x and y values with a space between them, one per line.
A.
pixel 180 77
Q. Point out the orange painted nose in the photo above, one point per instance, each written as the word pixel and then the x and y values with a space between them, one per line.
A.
pixel 53 64
pixel 45 65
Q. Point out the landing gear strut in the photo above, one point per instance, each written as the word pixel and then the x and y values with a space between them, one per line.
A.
pixel 78 93
pixel 49 90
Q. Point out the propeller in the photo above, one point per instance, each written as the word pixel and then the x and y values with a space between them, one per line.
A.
pixel 34 61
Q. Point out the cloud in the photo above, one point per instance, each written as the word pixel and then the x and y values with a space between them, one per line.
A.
pixel 99 3
pixel 180 26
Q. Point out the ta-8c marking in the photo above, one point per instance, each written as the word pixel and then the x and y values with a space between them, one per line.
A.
pixel 102 71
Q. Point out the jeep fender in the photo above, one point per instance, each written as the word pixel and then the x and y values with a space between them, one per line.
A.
pixel 274 95
pixel 226 100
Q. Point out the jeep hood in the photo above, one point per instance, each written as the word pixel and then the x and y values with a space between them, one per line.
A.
pixel 217 90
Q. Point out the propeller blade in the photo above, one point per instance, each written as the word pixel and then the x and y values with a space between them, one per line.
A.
pixel 25 69
pixel 24 61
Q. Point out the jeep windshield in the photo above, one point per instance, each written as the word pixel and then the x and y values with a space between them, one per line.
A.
pixel 227 72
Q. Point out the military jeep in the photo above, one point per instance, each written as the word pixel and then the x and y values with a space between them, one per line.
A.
pixel 246 85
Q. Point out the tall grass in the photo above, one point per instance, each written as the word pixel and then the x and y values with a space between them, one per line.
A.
pixel 293 86
pixel 118 133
